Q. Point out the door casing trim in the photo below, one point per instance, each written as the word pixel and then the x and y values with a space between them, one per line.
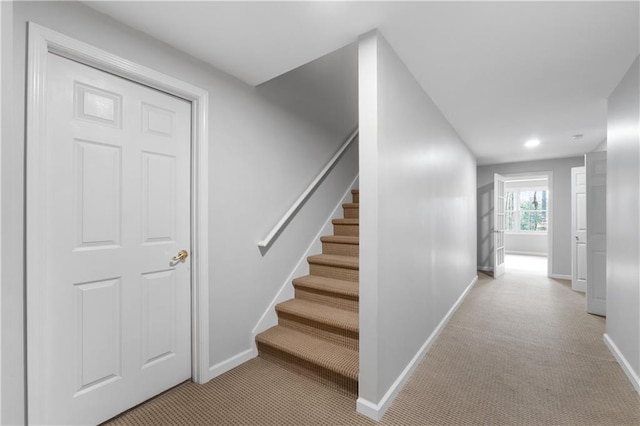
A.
pixel 43 41
pixel 550 209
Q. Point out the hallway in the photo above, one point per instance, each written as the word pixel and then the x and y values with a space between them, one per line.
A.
pixel 534 265
pixel 519 350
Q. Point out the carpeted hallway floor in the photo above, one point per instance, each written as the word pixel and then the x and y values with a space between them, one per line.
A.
pixel 520 350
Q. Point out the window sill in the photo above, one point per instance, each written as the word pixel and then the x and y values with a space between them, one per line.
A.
pixel 537 233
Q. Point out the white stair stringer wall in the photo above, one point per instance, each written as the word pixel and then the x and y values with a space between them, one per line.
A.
pixel 286 292
pixel 269 318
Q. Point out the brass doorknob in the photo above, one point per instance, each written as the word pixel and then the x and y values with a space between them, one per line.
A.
pixel 182 255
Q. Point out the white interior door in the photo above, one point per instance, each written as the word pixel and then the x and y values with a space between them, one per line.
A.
pixel 596 172
pixel 578 229
pixel 498 225
pixel 116 312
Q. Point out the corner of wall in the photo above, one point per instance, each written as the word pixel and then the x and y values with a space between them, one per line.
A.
pixel 369 35
pixel 368 158
pixel 376 411
pixel 401 125
pixel 624 364
pixel 231 363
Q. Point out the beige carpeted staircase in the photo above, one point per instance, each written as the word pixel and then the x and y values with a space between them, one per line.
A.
pixel 317 331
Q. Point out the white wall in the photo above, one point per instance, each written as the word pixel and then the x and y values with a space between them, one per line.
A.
pixel 601 147
pixel 417 223
pixel 6 14
pixel 11 383
pixel 561 208
pixel 529 244
pixel 623 227
pixel 264 149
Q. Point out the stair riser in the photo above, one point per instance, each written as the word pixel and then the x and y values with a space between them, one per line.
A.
pixel 328 299
pixel 311 347
pixel 346 230
pixel 345 338
pixel 334 272
pixel 316 372
pixel 352 250
pixel 351 213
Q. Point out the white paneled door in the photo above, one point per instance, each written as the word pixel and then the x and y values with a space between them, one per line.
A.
pixel 498 225
pixel 596 173
pixel 578 229
pixel 117 295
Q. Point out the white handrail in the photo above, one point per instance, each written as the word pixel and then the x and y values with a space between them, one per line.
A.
pixel 312 186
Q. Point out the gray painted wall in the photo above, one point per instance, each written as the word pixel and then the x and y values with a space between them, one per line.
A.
pixel 6 49
pixel 417 224
pixel 561 208
pixel 526 244
pixel 266 145
pixel 601 147
pixel 623 213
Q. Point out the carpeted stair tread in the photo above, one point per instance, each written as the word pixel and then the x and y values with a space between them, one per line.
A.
pixel 318 330
pixel 347 262
pixel 322 314
pixel 345 221
pixel 329 285
pixel 317 351
pixel 340 239
pixel 351 210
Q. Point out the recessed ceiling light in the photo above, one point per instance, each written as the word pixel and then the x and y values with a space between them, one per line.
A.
pixel 577 136
pixel 532 142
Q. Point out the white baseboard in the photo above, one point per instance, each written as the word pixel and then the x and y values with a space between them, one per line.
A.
pixel 269 318
pixel 580 286
pixel 485 268
pixel 233 362
pixel 527 253
pixel 626 367
pixel 560 277
pixel 369 409
pixel 376 411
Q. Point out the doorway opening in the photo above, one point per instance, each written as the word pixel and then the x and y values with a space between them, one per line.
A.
pixel 533 265
pixel 527 211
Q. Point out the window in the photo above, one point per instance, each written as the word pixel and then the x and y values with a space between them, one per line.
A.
pixel 526 210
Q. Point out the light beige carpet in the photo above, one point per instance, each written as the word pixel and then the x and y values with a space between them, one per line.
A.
pixel 520 351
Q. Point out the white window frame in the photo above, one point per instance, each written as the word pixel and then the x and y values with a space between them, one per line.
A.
pixel 517 212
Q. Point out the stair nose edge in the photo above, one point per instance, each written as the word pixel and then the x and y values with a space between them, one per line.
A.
pixel 351 321
pixel 346 262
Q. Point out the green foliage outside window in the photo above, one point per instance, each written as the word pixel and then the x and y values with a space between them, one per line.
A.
pixel 526 210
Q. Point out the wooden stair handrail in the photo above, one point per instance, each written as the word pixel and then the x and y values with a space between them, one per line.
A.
pixel 266 242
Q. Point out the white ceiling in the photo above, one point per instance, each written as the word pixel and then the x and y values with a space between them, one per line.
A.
pixel 500 72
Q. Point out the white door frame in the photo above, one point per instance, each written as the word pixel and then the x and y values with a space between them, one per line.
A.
pixel 43 41
pixel 549 176
pixel 576 283
pixel 498 225
pixel 596 181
